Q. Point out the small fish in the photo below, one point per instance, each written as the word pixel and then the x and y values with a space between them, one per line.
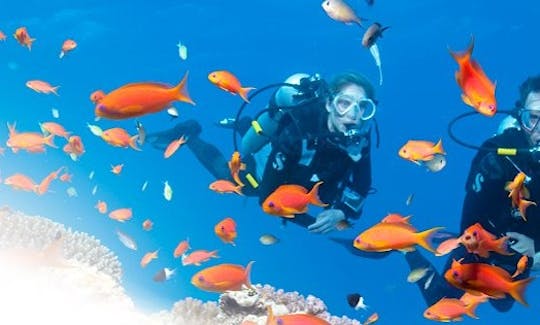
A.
pixel 436 164
pixel 147 224
pixel 173 112
pixel 226 230
pixel 72 192
pixel 101 206
pixel 417 274
pixel 371 319
pixel 167 191
pixel 372 34
pixel 419 150
pixel 55 113
pixel 41 86
pixel 68 46
pixel 268 239
pixel 141 132
pixel 409 199
pixel 356 301
pixel 223 277
pixel 149 257
pixel 290 199
pixel 182 51
pixel 121 215
pixel 181 248
pixel 96 130
pixel 117 169
pixel 227 81
pixel 126 240
pixel 91 175
pixel 163 275
pixel 428 281
pixel 338 10
pixel 22 36
pixel 521 265
pixel 94 190
pixel 173 146
pixel 145 184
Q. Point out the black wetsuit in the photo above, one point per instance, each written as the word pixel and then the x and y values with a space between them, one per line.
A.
pixel 301 132
pixel 487 203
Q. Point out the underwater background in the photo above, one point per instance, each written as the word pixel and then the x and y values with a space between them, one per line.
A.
pixel 261 42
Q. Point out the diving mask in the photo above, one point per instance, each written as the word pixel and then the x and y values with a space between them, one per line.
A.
pixel 530 118
pixel 344 104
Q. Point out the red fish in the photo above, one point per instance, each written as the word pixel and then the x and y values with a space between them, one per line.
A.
pixel 452 309
pixel 21 35
pixel 137 99
pixel 197 257
pixel 226 230
pixel 488 279
pixel 228 82
pixel 225 186
pixel 478 90
pixel 479 241
pixel 293 319
pixel 419 150
pixel 67 46
pixel 173 146
pixel 288 200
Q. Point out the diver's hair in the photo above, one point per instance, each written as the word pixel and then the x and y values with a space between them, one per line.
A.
pixel 532 84
pixel 341 80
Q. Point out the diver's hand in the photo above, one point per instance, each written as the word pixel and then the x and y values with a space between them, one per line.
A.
pixel 327 221
pixel 521 243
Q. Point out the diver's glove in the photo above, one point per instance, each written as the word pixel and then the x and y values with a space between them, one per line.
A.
pixel 327 221
pixel 521 243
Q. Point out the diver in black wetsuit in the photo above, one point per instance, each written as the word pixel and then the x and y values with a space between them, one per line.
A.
pixel 487 201
pixel 304 139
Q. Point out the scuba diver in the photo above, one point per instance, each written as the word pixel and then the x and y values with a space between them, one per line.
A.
pixel 310 131
pixel 515 149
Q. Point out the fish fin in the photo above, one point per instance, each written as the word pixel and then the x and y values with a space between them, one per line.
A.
pixel 438 147
pixel 247 281
pixel 424 238
pixel 182 91
pixel 243 92
pixel 466 100
pixel 313 195
pixel 133 142
pixel 49 140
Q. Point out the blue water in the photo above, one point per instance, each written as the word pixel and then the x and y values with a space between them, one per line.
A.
pixel 262 43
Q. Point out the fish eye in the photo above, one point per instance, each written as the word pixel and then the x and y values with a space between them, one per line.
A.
pixel 475 234
pixel 222 228
pixel 271 204
pixel 200 278
pixel 455 274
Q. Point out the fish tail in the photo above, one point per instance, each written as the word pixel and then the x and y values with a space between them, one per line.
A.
pixel 49 140
pixel 243 92
pixel 470 308
pixel 501 246
pixel 238 189
pixel 53 90
pixel 517 290
pixel 313 195
pixel 424 238
pixel 523 205
pixel 133 142
pixel 439 148
pixel 248 275
pixel 182 91
pixel 461 57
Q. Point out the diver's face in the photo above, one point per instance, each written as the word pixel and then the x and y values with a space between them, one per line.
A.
pixel 531 117
pixel 342 121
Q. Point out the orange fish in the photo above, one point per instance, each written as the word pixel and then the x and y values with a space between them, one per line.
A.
pixel 521 265
pixel 21 35
pixel 147 224
pixel 173 146
pixel 488 279
pixel 384 237
pixel 44 184
pixel 225 186
pixel 148 257
pixel 2 36
pixel 54 128
pixel 137 99
pixel 29 141
pixel 66 177
pixel 226 230
pixel 452 309
pixel 371 319
pixel 288 200
pixel 519 193
pixel 21 182
pixel 117 169
pixel 67 46
pixel 101 206
pixel 235 166
pixel 74 147
pixel 181 248
pixel 41 86
pixel 338 10
pixel 418 150
pixel 396 217
pixel 479 241
pixel 119 137
pixel 223 277
pixel 293 319
pixel 478 90
pixel 121 215
pixel 447 246
pixel 228 82
pixel 197 257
